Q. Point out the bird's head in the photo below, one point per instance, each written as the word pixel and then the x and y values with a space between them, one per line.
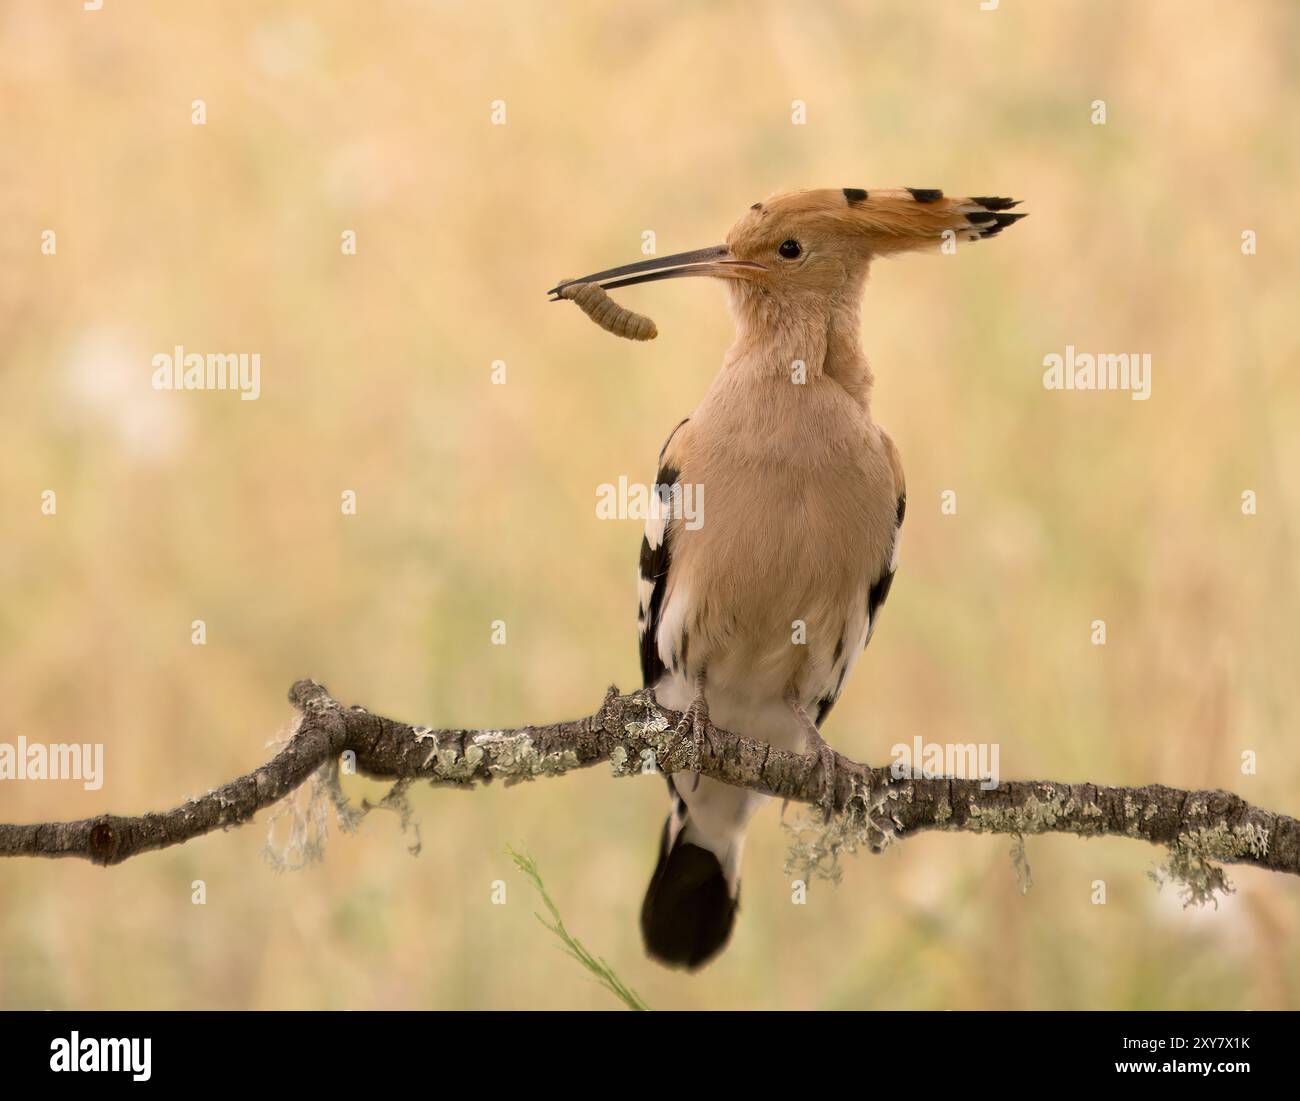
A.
pixel 802 248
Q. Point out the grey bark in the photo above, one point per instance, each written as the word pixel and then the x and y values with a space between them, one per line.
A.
pixel 1200 828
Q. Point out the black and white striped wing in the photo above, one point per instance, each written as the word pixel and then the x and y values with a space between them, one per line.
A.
pixel 656 561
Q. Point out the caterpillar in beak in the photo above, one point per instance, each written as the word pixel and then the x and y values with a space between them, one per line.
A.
pixel 608 314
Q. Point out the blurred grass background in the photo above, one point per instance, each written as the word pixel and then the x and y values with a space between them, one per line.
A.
pixel 476 502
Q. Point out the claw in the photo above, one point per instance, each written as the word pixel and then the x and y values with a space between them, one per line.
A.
pixel 817 747
pixel 827 756
pixel 695 719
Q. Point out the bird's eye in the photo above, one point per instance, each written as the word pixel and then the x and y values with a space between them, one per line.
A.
pixel 790 249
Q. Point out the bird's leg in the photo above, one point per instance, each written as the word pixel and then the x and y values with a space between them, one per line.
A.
pixel 815 745
pixel 695 721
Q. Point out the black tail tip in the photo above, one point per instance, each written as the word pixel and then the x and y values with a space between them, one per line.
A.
pixel 688 913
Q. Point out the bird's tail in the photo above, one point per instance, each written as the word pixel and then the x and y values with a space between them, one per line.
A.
pixel 690 905
pixel 906 218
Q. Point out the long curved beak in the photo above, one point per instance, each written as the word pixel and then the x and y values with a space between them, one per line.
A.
pixel 716 260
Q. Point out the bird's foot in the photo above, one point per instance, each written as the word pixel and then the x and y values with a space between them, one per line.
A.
pixel 816 746
pixel 695 726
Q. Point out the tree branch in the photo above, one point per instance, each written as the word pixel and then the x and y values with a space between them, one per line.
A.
pixel 635 734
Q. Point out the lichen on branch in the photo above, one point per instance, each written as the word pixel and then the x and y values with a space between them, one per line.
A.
pixel 1200 829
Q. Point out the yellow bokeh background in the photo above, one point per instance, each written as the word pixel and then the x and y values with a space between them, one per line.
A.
pixel 476 502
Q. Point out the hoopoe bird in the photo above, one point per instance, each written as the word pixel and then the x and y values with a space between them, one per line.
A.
pixel 754 616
